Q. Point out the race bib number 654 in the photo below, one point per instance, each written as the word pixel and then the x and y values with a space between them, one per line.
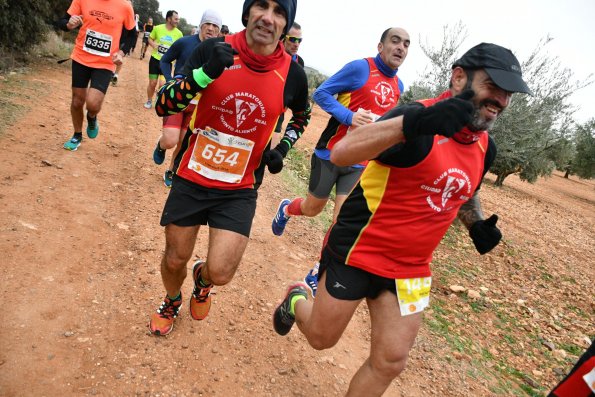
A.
pixel 220 156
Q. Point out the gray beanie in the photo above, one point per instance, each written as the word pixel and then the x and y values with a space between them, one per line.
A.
pixel 211 16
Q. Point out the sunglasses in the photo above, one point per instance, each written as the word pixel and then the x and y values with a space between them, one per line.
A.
pixel 293 39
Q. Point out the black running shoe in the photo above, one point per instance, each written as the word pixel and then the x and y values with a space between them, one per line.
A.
pixel 282 318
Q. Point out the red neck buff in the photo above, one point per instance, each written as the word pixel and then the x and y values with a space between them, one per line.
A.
pixel 259 63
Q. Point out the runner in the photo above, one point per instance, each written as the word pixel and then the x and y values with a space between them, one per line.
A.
pixel 174 126
pixel 161 38
pixel 225 150
pixel 427 161
pixel 291 42
pixel 361 91
pixel 147 29
pixel 94 57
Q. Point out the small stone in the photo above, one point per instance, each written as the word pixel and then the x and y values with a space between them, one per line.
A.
pixel 282 371
pixel 530 381
pixel 473 294
pixel 68 334
pixel 457 288
pixel 549 344
pixel 537 373
pixel 560 353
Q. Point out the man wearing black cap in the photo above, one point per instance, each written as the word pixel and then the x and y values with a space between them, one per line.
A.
pixel 427 161
pixel 225 150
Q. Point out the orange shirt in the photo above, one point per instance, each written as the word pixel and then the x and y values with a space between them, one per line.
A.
pixel 99 37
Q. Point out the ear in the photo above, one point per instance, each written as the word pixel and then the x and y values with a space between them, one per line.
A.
pixel 458 79
pixel 380 46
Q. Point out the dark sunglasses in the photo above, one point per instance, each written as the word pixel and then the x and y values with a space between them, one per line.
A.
pixel 293 39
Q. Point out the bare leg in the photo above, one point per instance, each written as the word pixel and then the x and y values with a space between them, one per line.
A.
pixel 77 106
pixel 179 244
pixel 226 249
pixel 392 338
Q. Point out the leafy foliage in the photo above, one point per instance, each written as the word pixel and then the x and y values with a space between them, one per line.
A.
pixel 583 164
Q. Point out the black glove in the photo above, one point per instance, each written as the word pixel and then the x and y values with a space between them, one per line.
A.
pixel 444 118
pixel 274 160
pixel 221 58
pixel 485 234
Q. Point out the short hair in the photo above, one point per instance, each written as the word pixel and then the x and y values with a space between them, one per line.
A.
pixel 296 26
pixel 170 14
pixel 384 34
pixel 224 29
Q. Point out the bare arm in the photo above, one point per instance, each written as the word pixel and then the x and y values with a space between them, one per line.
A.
pixel 471 212
pixel 367 142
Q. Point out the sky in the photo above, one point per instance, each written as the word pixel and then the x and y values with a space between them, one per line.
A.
pixel 336 32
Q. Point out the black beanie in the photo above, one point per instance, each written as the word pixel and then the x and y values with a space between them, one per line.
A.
pixel 289 6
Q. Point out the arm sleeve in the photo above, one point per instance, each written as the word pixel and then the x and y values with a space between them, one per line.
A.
pixel 62 22
pixel 127 40
pixel 296 98
pixel 171 55
pixel 350 78
pixel 175 95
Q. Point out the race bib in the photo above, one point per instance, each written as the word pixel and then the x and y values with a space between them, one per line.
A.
pixel 162 49
pixel 98 43
pixel 220 156
pixel 147 34
pixel 413 294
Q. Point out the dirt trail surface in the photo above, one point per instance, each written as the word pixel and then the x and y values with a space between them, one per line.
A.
pixel 81 244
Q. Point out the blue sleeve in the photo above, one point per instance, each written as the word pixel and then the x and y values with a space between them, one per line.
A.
pixel 171 55
pixel 401 87
pixel 350 78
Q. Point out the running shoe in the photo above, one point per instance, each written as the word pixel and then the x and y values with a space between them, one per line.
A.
pixel 311 279
pixel 114 79
pixel 280 219
pixel 158 154
pixel 92 128
pixel 162 321
pixel 200 302
pixel 148 104
pixel 73 143
pixel 283 318
pixel 168 178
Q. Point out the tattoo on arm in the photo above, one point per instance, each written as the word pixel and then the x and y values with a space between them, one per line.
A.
pixel 471 212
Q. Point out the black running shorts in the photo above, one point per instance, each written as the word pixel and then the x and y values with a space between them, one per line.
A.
pixel 99 78
pixel 154 68
pixel 324 175
pixel 346 282
pixel 189 204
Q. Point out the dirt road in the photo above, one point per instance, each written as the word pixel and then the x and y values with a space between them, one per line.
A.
pixel 80 245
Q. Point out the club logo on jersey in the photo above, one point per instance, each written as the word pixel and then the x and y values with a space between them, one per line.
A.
pixel 384 95
pixel 242 112
pixel 451 187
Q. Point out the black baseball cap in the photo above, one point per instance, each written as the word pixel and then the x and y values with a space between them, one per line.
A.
pixel 499 63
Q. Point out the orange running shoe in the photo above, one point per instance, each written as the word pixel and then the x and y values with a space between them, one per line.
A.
pixel 200 302
pixel 162 321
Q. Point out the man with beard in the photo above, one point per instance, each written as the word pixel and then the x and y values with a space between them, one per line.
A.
pixel 427 161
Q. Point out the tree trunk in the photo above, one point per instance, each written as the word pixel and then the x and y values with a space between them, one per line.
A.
pixel 567 174
pixel 500 180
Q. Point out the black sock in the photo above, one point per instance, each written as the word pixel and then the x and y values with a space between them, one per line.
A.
pixel 91 119
pixel 78 135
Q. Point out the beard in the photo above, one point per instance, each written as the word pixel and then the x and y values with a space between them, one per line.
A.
pixel 478 121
